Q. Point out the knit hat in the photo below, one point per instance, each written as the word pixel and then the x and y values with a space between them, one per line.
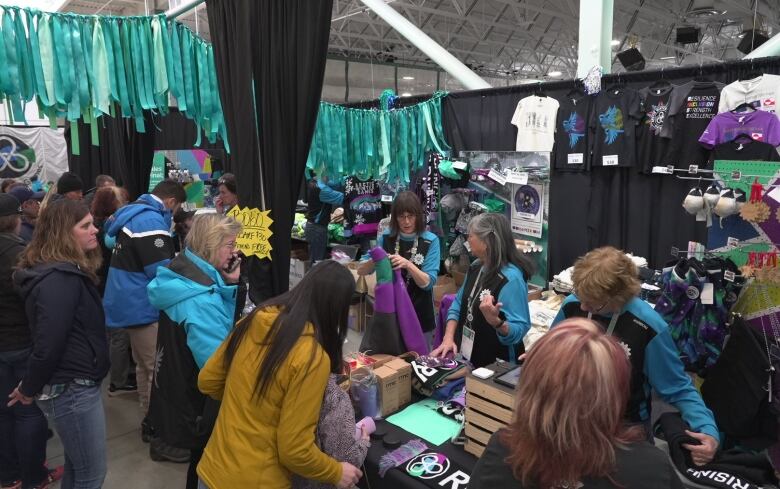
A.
pixel 23 194
pixel 69 182
pixel 9 205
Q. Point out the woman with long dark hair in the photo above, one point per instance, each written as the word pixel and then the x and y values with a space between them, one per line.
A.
pixel 414 251
pixel 69 359
pixel 489 317
pixel 568 430
pixel 270 375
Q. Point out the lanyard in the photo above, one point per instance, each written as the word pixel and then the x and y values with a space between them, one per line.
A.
pixel 612 322
pixel 473 297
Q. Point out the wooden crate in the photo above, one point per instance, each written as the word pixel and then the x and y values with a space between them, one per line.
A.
pixel 489 407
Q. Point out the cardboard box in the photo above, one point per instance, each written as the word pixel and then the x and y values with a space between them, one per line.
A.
pixel 388 389
pixel 404 370
pixel 298 269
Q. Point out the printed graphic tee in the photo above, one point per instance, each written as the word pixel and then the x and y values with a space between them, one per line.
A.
pixel 747 150
pixel 762 92
pixel 571 133
pixel 693 105
pixel 651 145
pixel 362 206
pixel 724 127
pixel 535 121
pixel 613 123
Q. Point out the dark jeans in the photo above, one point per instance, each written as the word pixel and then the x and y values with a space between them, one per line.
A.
pixel 23 429
pixel 317 237
pixel 119 352
pixel 78 417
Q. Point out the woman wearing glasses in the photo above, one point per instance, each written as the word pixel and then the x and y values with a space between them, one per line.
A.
pixel 606 284
pixel 413 250
pixel 196 296
pixel 490 315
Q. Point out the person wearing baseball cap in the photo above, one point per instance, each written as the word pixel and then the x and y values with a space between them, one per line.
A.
pixel 70 186
pixel 31 204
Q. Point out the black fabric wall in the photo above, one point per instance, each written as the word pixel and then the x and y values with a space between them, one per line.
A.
pixel 641 214
pixel 126 154
pixel 270 57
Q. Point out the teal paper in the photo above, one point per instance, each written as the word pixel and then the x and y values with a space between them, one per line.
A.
pixel 421 419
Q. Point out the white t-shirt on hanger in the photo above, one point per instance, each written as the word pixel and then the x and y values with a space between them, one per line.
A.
pixel 762 92
pixel 535 121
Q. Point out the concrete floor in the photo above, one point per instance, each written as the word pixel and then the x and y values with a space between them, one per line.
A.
pixel 129 465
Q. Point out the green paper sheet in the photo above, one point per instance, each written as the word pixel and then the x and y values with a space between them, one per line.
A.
pixel 421 419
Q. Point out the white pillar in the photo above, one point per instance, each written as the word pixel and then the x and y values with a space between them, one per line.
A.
pixel 183 8
pixel 595 42
pixel 424 43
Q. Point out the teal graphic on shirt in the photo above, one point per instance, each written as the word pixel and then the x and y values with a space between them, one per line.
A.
pixel 612 123
pixel 575 128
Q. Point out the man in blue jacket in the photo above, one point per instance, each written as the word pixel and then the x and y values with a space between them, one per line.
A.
pixel 320 198
pixel 142 231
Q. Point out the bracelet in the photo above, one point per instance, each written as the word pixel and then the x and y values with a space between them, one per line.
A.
pixel 499 325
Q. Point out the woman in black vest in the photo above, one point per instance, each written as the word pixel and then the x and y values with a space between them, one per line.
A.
pixel 489 317
pixel 413 250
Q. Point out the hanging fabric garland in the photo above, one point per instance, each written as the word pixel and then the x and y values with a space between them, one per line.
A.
pixel 387 143
pixel 87 66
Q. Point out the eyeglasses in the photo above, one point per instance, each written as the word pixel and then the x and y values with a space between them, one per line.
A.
pixel 407 217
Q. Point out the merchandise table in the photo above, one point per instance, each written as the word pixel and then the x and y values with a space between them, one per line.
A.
pixel 397 479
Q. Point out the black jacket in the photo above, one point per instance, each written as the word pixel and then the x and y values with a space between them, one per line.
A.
pixel 640 466
pixel 14 330
pixel 67 324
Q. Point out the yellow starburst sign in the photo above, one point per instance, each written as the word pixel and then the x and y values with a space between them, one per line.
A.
pixel 255 236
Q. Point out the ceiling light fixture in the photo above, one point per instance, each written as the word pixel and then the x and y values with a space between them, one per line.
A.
pixel 408 78
pixel 406 94
pixel 554 74
pixel 668 57
pixel 615 42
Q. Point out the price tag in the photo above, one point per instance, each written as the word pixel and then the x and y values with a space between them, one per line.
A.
pixel 387 198
pixel 707 294
pixel 732 242
pixel 497 177
pixel 675 251
pixel 663 170
pixel 693 169
pixel 575 158
pixel 459 165
pixel 517 177
pixel 736 176
pixel 609 160
pixel 729 276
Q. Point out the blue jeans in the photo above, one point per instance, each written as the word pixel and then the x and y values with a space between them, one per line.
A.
pixel 317 237
pixel 202 485
pixel 23 428
pixel 78 417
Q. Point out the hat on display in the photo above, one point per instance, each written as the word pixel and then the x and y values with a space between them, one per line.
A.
pixel 694 201
pixel 23 194
pixel 711 196
pixel 69 182
pixel 727 204
pixel 9 205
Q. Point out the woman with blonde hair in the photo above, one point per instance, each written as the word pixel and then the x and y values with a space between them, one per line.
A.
pixel 69 359
pixel 196 296
pixel 606 288
pixel 568 430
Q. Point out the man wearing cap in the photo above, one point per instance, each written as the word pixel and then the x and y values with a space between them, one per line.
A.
pixel 31 203
pixel 70 186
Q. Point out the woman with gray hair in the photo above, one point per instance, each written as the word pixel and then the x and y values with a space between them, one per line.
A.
pixel 196 296
pixel 490 315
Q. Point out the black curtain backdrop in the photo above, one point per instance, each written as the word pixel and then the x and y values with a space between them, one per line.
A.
pixel 271 52
pixel 126 154
pixel 641 214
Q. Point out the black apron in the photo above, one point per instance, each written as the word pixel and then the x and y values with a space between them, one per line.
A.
pixel 486 345
pixel 421 299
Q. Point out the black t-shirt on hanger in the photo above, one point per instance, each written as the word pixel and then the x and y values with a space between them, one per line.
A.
pixel 744 150
pixel 571 132
pixel 689 122
pixel 613 123
pixel 651 145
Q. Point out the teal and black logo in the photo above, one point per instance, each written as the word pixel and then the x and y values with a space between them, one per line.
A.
pixel 16 158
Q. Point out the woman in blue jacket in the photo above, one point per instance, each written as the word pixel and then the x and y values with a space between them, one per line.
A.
pixel 196 296
pixel 69 359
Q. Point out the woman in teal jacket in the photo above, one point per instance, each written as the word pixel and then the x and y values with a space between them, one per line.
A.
pixel 196 296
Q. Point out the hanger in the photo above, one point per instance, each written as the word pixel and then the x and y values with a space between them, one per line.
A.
pixel 538 92
pixel 751 73
pixel 661 83
pixel 700 77
pixel 743 105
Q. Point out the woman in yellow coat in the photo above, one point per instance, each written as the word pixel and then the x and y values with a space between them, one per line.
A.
pixel 270 375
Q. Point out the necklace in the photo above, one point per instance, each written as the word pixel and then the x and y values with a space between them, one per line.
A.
pixel 416 258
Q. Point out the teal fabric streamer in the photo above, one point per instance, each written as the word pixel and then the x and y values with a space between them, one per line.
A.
pixel 391 144
pixel 80 67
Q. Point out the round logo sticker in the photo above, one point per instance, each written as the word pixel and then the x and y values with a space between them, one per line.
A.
pixel 428 466
pixel 692 293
